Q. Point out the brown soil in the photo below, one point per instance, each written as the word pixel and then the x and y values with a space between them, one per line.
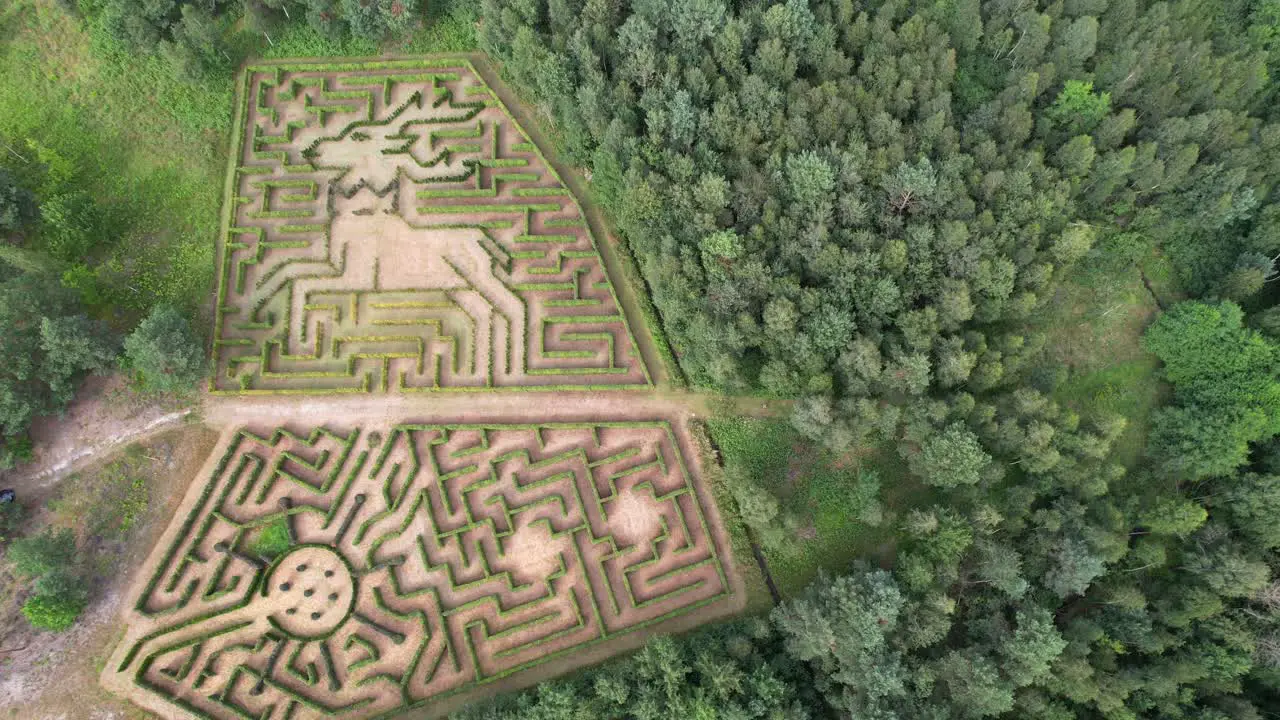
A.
pixel 448 554
pixel 53 676
pixel 634 518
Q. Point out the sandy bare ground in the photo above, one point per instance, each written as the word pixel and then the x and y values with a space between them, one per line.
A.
pixel 224 411
pixel 53 676
pixel 103 416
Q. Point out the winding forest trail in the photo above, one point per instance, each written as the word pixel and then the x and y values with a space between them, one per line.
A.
pixel 103 418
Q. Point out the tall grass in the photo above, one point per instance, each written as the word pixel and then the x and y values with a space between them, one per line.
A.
pixel 147 146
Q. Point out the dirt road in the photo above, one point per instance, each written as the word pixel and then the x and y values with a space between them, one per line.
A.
pixel 104 417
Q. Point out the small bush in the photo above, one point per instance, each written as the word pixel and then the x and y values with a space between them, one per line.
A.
pixel 15 449
pixel 11 516
pixel 272 540
pixel 166 353
pixel 40 554
pixel 57 602
pixel 134 503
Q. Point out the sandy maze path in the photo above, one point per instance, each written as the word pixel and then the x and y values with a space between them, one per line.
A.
pixel 425 559
pixel 392 228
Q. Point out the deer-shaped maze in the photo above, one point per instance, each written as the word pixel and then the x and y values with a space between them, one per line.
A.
pixel 390 227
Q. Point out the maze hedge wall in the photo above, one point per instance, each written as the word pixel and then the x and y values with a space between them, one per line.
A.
pixel 390 227
pixel 424 560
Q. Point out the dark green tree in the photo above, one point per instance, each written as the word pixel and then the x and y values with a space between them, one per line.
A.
pixel 1224 376
pixel 165 352
pixel 379 19
pixel 842 626
pixel 17 205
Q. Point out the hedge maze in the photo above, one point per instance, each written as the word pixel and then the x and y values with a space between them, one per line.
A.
pixel 389 227
pixel 424 560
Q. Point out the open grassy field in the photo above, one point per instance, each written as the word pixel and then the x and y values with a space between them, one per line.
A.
pixel 147 147
pixel 1095 334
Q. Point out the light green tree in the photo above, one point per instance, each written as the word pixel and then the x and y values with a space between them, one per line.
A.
pixel 1078 108
pixel 57 601
pixel 951 458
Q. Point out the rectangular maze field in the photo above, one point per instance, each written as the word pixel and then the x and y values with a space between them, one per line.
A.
pixel 390 227
pixel 360 572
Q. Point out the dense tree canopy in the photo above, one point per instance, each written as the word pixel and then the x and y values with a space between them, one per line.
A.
pixel 202 38
pixel 48 344
pixel 870 206
pixel 855 199
pixel 1227 389
pixel 734 671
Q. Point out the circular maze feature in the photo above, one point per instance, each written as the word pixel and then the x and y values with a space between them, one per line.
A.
pixel 310 592
pixel 390 227
pixel 427 561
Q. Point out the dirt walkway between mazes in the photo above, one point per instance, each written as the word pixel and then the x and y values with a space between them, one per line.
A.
pixel 504 407
pixel 105 417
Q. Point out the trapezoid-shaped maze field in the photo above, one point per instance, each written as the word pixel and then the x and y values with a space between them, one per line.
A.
pixel 390 227
pixel 415 562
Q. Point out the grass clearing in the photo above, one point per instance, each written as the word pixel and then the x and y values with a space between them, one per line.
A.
pixel 1095 332
pixel 841 508
pixel 105 504
pixel 147 146
pixel 758 599
pixel 144 146
pixel 762 446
